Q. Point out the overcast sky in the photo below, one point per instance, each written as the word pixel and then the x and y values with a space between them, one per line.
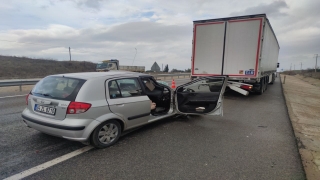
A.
pixel 156 30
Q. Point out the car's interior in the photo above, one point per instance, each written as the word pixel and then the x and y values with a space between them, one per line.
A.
pixel 158 94
pixel 200 97
pixel 192 102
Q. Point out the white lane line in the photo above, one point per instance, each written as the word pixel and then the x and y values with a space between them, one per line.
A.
pixel 12 96
pixel 48 164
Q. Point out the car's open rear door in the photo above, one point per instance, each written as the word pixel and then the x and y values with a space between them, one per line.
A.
pixel 201 96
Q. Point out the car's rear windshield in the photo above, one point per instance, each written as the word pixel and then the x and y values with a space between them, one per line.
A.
pixel 61 88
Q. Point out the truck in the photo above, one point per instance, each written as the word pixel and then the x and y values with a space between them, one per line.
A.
pixel 113 64
pixel 244 48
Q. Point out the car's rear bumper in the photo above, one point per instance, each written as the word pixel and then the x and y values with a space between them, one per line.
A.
pixel 73 129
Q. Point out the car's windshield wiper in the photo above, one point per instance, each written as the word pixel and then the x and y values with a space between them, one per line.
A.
pixel 43 94
pixel 47 95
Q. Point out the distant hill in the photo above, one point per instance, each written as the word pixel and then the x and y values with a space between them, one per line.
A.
pixel 12 67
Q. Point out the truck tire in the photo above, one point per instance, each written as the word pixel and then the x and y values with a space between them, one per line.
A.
pixel 262 86
pixel 273 78
pixel 267 83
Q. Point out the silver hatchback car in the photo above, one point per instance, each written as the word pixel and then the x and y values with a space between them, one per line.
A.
pixel 96 107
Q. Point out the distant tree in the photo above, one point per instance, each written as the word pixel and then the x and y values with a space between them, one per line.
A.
pixel 176 70
pixel 166 68
pixel 188 70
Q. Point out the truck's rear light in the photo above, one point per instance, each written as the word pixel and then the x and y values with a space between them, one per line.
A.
pixel 27 97
pixel 78 107
pixel 246 87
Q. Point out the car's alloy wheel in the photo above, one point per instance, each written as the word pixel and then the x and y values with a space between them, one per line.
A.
pixel 106 134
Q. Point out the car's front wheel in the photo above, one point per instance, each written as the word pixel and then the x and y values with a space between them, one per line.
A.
pixel 106 134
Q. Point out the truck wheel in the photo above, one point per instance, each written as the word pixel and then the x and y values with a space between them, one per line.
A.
pixel 273 78
pixel 262 86
pixel 267 82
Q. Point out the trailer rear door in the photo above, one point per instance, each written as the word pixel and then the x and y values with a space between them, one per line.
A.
pixel 230 47
pixel 208 40
pixel 242 47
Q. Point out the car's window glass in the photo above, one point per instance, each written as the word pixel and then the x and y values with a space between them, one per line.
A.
pixel 205 85
pixel 129 87
pixel 62 88
pixel 124 88
pixel 114 91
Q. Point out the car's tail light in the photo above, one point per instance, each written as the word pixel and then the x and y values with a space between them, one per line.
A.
pixel 27 97
pixel 78 107
pixel 246 87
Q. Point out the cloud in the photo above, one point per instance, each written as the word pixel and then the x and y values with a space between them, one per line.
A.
pixel 92 3
pixel 272 9
pixel 166 44
pixel 160 30
pixel 143 31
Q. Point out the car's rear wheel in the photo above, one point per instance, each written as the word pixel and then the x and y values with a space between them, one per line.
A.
pixel 106 134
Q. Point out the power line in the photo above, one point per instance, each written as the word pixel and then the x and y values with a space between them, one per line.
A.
pixel 70 53
pixel 315 68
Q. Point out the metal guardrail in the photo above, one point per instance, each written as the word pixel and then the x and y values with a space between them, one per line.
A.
pixel 171 75
pixel 18 82
pixel 23 82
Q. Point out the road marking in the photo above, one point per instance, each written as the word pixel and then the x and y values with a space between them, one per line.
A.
pixel 49 164
pixel 12 96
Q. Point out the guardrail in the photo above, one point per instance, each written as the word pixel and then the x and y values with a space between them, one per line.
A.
pixel 18 82
pixel 23 82
pixel 171 75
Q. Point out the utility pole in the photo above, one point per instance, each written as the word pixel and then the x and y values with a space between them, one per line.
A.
pixel 70 53
pixel 294 67
pixel 134 56
pixel 290 66
pixel 315 68
pixel 301 67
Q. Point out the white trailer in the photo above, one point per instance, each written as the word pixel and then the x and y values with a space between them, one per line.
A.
pixel 132 68
pixel 244 48
pixel 113 64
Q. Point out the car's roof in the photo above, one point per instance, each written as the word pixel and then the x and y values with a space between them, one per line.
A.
pixel 90 75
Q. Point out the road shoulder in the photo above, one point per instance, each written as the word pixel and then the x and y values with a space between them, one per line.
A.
pixel 303 103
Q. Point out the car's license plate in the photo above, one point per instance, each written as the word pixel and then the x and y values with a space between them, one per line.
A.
pixel 45 109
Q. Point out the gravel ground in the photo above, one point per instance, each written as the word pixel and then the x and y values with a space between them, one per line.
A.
pixel 303 102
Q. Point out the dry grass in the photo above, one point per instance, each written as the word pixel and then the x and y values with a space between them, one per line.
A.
pixel 12 67
pixel 303 102
pixel 305 73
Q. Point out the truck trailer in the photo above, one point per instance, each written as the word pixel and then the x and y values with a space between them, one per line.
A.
pixel 113 64
pixel 245 48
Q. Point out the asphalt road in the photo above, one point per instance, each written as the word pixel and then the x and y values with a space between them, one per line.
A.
pixel 253 140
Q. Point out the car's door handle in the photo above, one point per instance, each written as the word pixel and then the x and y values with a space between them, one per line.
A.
pixel 120 105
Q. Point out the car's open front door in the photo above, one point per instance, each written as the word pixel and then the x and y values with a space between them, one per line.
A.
pixel 201 96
